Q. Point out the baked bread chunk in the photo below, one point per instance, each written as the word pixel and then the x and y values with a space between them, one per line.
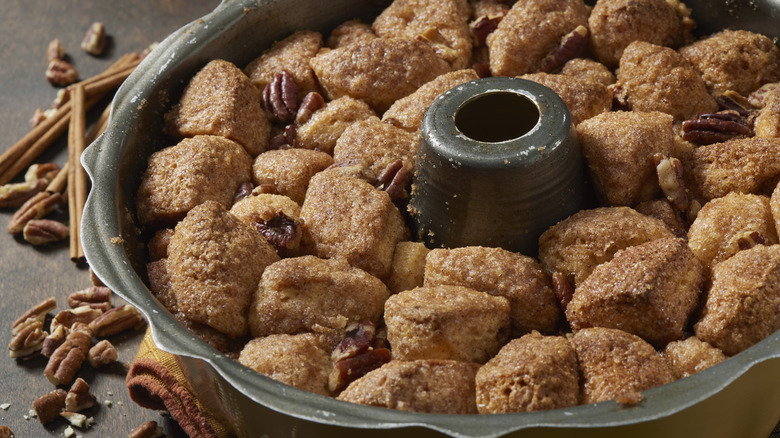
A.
pixel 657 78
pixel 615 363
pixel 649 290
pixel 289 170
pixel 408 112
pixel 767 122
pixel 349 32
pixel 180 177
pixel 531 373
pixel 614 24
pixel 741 307
pixel 590 70
pixel 220 100
pixel 446 322
pixel 379 71
pixel 430 386
pixel 408 269
pixel 292 54
pixel 736 60
pixel 588 238
pixel 377 144
pixel 583 98
pixel 215 264
pixel 619 148
pixel 530 31
pixel 662 210
pixel 442 24
pixel 301 360
pixel 347 217
pixel 326 125
pixel 691 355
pixel 726 225
pixel 518 278
pixel 310 294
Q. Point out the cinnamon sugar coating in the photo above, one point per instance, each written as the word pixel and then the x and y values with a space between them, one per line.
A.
pixel 614 24
pixel 349 32
pixel 725 225
pixel 446 322
pixel 662 210
pixel 326 125
pixel 657 78
pixel 531 373
pixel 583 98
pixel 379 71
pixel 431 386
pixel 518 278
pixel 289 170
pixel 215 264
pixel 767 122
pixel 649 290
pixel 691 355
pixel 309 294
pixel 530 31
pixel 576 245
pixel 377 144
pixel 614 363
pixel 619 148
pixel 220 100
pixel 180 177
pixel 292 54
pixel 736 60
pixel 589 69
pixel 741 307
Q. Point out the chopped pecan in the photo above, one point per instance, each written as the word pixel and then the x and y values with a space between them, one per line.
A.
pixel 280 96
pixel 438 43
pixel 63 96
pixel 484 26
pixel 716 127
pixel 34 208
pixel 281 231
pixel 6 432
pixel 39 116
pixel 102 353
pixel 358 339
pixel 49 406
pixel 619 97
pixel 265 188
pixel 562 288
pixel 37 312
pixel 393 180
pixel 285 139
pixel 750 239
pixel 572 45
pixel 670 178
pixel 96 297
pixel 54 50
pixel 117 320
pixel 77 420
pixel 43 231
pixel 693 210
pixel 68 317
pixel 350 369
pixel 61 73
pixel 309 105
pixel 46 171
pixel 731 100
pixel 147 429
pixel 79 397
pixel 244 191
pixel 95 39
pixel 28 339
pixel 54 340
pixel 68 357
pixel 16 194
pixel 758 98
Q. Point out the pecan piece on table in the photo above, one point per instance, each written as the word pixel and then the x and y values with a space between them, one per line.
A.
pixel 280 96
pixel 15 194
pixel 97 297
pixel 117 320
pixel 37 312
pixel 6 432
pixel 572 45
pixel 48 406
pixel 716 127
pixel 66 360
pixel 102 353
pixel 34 208
pixel 281 231
pixel 54 340
pixel 147 429
pixel 44 231
pixel 77 420
pixel 54 50
pixel 670 178
pixel 94 41
pixel 61 73
pixel 79 397
pixel 68 317
pixel 28 339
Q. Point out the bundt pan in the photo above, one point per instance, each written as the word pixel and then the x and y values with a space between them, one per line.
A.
pixel 739 397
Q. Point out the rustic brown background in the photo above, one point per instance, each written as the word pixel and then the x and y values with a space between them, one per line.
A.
pixel 28 274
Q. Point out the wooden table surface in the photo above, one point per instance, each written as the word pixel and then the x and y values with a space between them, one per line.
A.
pixel 30 274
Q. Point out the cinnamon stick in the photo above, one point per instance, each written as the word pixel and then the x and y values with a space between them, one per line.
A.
pixel 77 176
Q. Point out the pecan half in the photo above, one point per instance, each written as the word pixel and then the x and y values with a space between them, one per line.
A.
pixel 393 180
pixel 484 26
pixel 281 231
pixel 563 289
pixel 750 239
pixel 244 190
pixel 358 339
pixel 28 339
pixel 102 353
pixel 147 429
pixel 350 369
pixel 43 231
pixel 66 360
pixel 96 297
pixel 49 406
pixel 79 397
pixel 61 73
pixel 117 320
pixel 6 432
pixel 34 208
pixel 16 194
pixel 285 139
pixel 670 178
pixel 68 317
pixel 309 105
pixel 280 96
pixel 572 45
pixel 716 127
pixel 46 171
pixel 94 41
pixel 54 50
pixel 37 312
pixel 54 340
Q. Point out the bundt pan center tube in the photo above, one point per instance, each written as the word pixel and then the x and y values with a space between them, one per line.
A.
pixel 738 397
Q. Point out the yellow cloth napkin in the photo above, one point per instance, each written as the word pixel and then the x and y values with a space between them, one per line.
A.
pixel 155 381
